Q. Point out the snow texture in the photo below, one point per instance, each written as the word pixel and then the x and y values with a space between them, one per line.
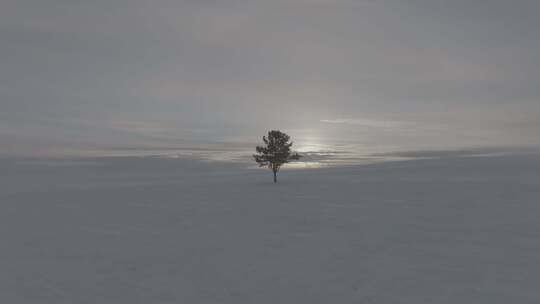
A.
pixel 151 230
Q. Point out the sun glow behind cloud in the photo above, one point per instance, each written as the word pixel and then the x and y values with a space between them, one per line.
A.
pixel 365 122
pixel 310 147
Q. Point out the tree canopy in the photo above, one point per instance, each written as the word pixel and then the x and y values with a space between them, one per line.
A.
pixel 275 152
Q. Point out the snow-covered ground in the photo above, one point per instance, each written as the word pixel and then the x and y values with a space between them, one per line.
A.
pixel 151 230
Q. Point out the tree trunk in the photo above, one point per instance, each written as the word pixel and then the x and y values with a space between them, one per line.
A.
pixel 275 176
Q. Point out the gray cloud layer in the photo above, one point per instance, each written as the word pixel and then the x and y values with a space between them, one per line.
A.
pixel 102 74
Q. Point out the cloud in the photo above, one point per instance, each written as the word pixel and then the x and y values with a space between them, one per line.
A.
pixel 135 72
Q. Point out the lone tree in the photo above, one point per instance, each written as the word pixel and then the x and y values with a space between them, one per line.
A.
pixel 275 152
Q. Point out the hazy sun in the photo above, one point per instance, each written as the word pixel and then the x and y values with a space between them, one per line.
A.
pixel 309 147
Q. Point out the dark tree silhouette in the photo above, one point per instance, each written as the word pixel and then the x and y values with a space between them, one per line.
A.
pixel 275 152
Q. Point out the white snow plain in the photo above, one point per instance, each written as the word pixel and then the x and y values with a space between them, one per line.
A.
pixel 151 230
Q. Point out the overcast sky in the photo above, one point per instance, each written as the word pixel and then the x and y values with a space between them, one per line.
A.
pixel 405 74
